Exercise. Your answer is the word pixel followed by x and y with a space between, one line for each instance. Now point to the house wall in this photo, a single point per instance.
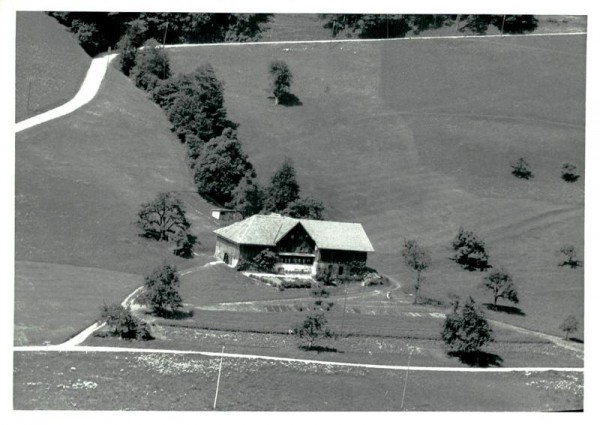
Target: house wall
pixel 296 240
pixel 225 247
pixel 336 261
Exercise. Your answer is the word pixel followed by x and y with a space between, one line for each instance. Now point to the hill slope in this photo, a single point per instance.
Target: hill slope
pixel 415 138
pixel 80 180
pixel 50 64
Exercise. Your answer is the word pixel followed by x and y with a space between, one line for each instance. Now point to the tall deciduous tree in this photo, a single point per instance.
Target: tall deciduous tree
pixel 163 218
pixel 129 44
pixel 468 330
pixel 281 79
pixel 220 167
pixel 161 290
pixel 151 65
pixel 418 259
pixel 248 197
pixel 569 325
pixel 501 284
pixel 284 188
pixel 305 207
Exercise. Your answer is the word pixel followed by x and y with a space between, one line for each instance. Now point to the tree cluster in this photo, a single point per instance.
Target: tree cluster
pixel 97 31
pixel 466 330
pixel 398 26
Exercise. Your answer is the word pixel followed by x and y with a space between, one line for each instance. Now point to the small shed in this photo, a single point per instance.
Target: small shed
pixel 226 215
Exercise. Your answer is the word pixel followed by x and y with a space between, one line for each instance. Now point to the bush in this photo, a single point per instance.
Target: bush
pixel 314 327
pixel 569 173
pixel 265 261
pixel 123 324
pixel 161 291
pixel 467 331
pixel 521 169
pixel 470 250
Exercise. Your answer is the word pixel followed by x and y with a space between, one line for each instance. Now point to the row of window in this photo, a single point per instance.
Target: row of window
pixel 296 260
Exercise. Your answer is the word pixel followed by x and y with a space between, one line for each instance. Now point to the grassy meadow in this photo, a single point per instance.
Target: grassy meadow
pixel 415 138
pixel 131 381
pixel 49 58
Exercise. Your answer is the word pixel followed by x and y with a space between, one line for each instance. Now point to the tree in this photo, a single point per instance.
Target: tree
pixel 221 166
pixel 418 259
pixel 151 65
pixel 314 327
pixel 122 323
pixel 129 43
pixel 248 197
pixel 569 325
pixel 502 286
pixel 467 331
pixel 470 250
pixel 281 79
pixel 569 173
pixel 194 103
pixel 521 169
pixel 284 188
pixel 265 261
pixel 306 207
pixel 161 290
pixel 163 218
pixel 569 257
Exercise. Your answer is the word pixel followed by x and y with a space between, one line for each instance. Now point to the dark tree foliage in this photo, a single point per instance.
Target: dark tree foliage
pixel 97 31
pixel 569 325
pixel 122 323
pixel 520 169
pixel 163 218
pixel 468 330
pixel 314 327
pixel 569 173
pixel 569 257
pixel 221 166
pixel 130 42
pixel 398 26
pixel 418 259
pixel 469 250
pixel 265 261
pixel 151 65
pixel 284 188
pixel 161 290
pixel 281 79
pixel 305 207
pixel 248 197
pixel 501 284
pixel 194 103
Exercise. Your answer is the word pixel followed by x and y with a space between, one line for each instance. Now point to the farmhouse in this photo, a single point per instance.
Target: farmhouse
pixel 302 246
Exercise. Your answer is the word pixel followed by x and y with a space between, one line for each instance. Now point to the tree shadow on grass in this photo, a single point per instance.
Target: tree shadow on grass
pixel 505 309
pixel 178 315
pixel 576 340
pixel 478 358
pixel 288 99
pixel 320 349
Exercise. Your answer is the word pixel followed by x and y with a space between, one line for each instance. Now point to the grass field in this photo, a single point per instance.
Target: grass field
pixel 415 150
pixel 54 302
pixel 104 381
pixel 49 58
pixel 80 181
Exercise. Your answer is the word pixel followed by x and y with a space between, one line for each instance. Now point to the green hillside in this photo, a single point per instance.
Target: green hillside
pixel 80 181
pixel 415 138
pixel 50 64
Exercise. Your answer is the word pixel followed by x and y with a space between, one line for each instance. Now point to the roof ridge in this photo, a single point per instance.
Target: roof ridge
pixel 247 227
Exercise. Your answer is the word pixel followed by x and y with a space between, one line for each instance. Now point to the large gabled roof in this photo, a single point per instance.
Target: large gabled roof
pixel 267 230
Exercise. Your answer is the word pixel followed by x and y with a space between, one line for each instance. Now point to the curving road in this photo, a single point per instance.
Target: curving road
pixel 87 91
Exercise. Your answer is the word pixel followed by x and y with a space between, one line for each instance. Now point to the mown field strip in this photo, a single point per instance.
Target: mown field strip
pixel 98 349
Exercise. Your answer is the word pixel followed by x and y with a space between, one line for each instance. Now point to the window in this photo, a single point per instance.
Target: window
pixel 341 270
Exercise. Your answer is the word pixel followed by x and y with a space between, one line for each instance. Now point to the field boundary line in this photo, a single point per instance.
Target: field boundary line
pixel 101 349
pixel 357 40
